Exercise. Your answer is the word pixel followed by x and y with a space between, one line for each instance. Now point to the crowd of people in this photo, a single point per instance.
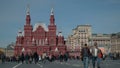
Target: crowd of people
pixel 28 58
pixel 114 55
pixel 35 58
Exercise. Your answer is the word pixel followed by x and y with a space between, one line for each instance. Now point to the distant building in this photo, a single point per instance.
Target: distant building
pixel 115 42
pixel 2 50
pixel 9 51
pixel 103 41
pixel 39 38
pixel 81 35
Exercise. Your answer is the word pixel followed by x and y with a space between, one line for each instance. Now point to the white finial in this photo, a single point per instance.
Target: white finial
pixel 52 11
pixel 28 9
pixel 20 32
pixel 60 33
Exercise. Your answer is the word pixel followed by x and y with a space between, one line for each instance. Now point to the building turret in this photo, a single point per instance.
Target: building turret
pixel 19 40
pixel 52 30
pixel 28 29
pixel 52 19
pixel 28 19
pixel 60 39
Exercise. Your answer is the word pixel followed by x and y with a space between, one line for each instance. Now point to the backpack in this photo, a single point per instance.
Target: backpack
pixel 100 55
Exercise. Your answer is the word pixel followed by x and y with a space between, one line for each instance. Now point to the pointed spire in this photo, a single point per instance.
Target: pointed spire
pixel 52 20
pixel 28 15
pixel 52 11
pixel 28 9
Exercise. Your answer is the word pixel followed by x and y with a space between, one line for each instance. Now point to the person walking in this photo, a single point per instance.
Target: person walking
pixel 61 57
pixel 100 56
pixel 44 57
pixel 3 58
pixel 85 53
pixel 96 56
pixel 22 58
pixel 27 57
pixel 66 56
pixel 36 57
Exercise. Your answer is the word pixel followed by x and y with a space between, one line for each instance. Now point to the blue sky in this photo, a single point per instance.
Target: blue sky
pixel 103 15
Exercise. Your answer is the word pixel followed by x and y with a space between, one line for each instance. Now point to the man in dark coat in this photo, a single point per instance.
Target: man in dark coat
pixel 85 55
pixel 36 57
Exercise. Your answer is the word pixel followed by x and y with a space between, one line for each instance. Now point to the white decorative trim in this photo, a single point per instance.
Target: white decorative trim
pixel 40 24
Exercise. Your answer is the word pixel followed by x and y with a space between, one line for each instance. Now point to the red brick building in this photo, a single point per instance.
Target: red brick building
pixel 40 38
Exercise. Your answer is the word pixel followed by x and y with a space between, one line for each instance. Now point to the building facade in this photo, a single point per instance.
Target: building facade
pixel 9 51
pixel 115 42
pixel 103 41
pixel 81 35
pixel 39 38
pixel 2 51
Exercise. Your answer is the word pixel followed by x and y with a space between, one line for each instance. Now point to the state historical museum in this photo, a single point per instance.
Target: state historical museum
pixel 39 38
